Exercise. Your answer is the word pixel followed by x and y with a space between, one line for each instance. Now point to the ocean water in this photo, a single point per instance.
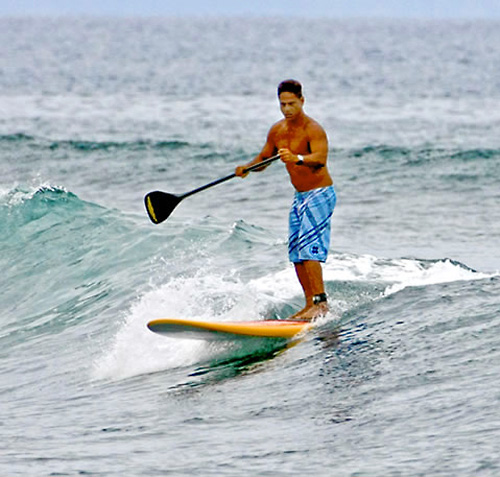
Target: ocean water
pixel 400 379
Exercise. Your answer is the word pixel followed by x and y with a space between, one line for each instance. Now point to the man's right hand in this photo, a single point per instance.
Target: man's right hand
pixel 240 171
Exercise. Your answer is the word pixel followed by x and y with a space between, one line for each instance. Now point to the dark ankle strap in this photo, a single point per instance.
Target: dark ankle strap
pixel 317 299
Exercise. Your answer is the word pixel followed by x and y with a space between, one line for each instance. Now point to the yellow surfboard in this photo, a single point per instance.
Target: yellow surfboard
pixel 227 330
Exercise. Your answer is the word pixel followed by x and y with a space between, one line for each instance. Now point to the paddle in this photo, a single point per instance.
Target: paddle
pixel 159 205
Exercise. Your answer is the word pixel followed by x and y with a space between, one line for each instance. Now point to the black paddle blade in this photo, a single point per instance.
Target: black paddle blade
pixel 159 205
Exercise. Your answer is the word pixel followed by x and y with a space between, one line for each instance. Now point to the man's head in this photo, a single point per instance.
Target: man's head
pixel 290 86
pixel 291 99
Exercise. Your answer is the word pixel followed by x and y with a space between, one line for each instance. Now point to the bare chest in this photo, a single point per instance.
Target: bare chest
pixel 295 139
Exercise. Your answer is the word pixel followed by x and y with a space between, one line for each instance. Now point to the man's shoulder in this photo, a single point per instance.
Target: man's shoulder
pixel 277 127
pixel 311 122
pixel 279 124
pixel 312 126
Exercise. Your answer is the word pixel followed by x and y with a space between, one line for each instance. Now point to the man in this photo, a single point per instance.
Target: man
pixel 302 145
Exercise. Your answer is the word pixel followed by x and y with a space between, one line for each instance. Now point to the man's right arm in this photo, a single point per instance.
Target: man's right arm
pixel 268 150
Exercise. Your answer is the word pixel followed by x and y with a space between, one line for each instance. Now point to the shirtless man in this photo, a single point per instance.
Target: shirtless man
pixel 302 145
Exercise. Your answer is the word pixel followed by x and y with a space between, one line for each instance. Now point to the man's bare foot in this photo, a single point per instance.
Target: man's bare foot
pixel 295 316
pixel 310 313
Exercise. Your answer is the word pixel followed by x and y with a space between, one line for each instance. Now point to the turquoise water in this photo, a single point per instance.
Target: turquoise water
pixel 399 379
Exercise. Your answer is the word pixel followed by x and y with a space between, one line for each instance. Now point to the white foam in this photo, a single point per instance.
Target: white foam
pixel 206 296
pixel 397 274
pixel 4 192
pixel 16 194
pixel 413 274
pixel 136 350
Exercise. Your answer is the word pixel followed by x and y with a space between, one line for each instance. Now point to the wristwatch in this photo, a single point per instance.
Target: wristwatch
pixel 300 162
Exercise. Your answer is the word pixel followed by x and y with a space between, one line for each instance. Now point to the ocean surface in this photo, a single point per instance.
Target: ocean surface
pixel 400 379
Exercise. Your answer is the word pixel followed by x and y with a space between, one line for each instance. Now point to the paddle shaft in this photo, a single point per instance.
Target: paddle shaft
pixel 159 205
pixel 264 163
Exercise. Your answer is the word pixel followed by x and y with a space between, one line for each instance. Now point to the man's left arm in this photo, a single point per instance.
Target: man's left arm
pixel 318 145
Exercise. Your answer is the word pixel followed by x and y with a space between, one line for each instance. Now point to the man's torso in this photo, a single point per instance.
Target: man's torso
pixel 297 140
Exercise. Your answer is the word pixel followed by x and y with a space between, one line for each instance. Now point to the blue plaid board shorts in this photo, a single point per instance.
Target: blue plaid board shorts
pixel 309 224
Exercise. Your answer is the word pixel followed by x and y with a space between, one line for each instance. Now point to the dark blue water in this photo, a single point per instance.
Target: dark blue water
pixel 399 379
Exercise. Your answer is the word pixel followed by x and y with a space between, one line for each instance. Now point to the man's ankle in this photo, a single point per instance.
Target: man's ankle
pixel 320 298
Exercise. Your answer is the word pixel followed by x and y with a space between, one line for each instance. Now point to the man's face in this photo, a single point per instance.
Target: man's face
pixel 290 105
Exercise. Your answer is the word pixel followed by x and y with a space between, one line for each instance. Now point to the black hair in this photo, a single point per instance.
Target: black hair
pixel 290 86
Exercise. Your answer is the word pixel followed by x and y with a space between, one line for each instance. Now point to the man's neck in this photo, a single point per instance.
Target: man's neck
pixel 296 121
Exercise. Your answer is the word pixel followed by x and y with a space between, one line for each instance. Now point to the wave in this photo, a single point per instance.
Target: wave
pixel 17 137
pixel 351 280
pixel 373 277
pixel 414 155
pixel 87 145
pixel 140 145
pixel 22 205
pixel 71 263
pixel 64 260
pixel 441 167
pixel 422 155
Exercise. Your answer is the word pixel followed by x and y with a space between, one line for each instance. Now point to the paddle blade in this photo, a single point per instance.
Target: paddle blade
pixel 159 205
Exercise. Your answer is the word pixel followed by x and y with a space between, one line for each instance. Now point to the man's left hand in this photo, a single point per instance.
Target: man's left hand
pixel 287 156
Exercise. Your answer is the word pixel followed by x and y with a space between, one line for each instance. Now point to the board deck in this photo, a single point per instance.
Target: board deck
pixel 227 330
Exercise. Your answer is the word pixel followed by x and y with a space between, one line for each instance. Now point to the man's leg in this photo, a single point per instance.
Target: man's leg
pixel 310 275
pixel 315 277
pixel 303 276
pixel 309 239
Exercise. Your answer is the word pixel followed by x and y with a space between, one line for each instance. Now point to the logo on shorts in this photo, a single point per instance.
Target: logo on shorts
pixel 314 250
